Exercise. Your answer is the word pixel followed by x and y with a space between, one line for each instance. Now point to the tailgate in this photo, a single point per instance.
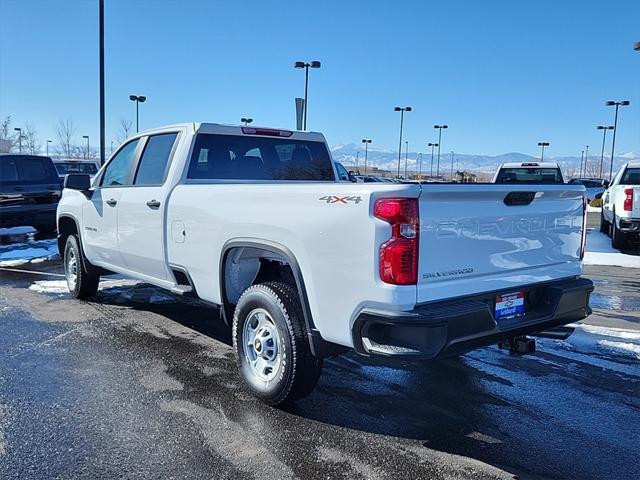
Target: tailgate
pixel 481 238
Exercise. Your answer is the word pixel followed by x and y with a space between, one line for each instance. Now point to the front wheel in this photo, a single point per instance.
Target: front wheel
pixel 80 283
pixel 272 351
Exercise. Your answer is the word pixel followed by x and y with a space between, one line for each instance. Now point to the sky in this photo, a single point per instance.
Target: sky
pixel 502 74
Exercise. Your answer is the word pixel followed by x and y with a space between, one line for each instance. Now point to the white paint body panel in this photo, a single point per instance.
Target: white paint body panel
pixel 336 245
pixel 613 198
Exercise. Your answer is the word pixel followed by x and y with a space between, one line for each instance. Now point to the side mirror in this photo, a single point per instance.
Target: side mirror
pixel 606 184
pixel 352 177
pixel 77 181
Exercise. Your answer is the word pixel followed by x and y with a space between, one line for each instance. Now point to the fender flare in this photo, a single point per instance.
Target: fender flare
pixel 319 346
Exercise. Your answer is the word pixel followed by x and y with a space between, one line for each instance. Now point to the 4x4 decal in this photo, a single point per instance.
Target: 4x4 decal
pixel 337 199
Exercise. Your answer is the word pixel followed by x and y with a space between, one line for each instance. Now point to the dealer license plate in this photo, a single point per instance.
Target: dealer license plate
pixel 509 305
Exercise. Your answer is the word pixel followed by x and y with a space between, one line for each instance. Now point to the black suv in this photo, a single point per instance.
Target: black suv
pixel 29 192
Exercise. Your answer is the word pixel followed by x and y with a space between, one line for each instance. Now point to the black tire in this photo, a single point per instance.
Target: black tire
pixel 298 371
pixel 604 225
pixel 618 239
pixel 85 285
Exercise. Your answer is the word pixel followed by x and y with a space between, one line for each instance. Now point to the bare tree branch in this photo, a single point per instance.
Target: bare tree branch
pixel 66 130
pixel 32 142
pixel 7 138
pixel 124 131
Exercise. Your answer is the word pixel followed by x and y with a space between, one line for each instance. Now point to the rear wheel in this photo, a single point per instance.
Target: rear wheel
pixel 604 225
pixel 618 239
pixel 271 345
pixel 80 283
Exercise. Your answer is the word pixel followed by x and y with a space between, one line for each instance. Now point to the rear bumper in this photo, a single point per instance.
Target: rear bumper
pixel 28 215
pixel 453 327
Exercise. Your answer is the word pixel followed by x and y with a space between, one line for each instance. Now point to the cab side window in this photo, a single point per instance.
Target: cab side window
pixel 118 172
pixel 155 158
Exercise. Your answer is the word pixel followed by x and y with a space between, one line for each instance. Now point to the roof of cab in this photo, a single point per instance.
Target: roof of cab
pixel 227 129
pixel 532 164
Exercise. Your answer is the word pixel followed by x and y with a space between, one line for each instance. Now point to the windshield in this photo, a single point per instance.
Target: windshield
pixel 631 177
pixel 76 167
pixel 529 175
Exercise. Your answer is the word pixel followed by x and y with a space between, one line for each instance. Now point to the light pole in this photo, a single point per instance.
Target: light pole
pixel 357 158
pixel 433 146
pixel 138 99
pixel 406 158
pixel 305 65
pixel 581 160
pixel 604 136
pixel 439 127
pixel 366 142
pixel 586 159
pixel 542 144
pixel 452 165
pixel 420 166
pixel 611 103
pixel 86 157
pixel 401 110
pixel 246 121
pixel 19 130
pixel 48 142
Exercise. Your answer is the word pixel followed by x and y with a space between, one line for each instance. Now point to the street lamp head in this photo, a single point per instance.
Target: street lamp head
pixel 141 98
pixel 397 109
pixel 299 65
pixel 407 109
pixel 601 127
pixel 18 129
pixel 85 136
pixel 636 46
pixel 314 64
pixel 624 103
pixel 133 98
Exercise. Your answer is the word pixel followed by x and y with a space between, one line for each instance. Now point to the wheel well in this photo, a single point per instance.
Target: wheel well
pixel 66 226
pixel 246 263
pixel 246 266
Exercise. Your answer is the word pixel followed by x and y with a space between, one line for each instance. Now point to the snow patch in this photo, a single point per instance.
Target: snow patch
pixel 60 286
pixel 17 230
pixel 23 253
pixel 600 252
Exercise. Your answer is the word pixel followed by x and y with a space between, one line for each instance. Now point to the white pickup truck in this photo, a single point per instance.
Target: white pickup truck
pixel 620 215
pixel 305 266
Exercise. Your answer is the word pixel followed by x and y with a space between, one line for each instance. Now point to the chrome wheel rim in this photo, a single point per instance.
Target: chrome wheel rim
pixel 71 269
pixel 262 345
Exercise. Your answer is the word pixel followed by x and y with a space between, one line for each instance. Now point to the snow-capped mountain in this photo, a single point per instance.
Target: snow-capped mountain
pixel 385 159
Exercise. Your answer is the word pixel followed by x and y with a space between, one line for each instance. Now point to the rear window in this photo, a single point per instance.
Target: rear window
pixel 76 167
pixel 529 175
pixel 231 157
pixel 631 177
pixel 26 169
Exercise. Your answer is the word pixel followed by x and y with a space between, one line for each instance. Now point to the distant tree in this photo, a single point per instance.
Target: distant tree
pixel 124 130
pixel 7 137
pixel 31 141
pixel 66 130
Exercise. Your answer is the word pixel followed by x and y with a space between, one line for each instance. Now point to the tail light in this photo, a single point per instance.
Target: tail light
pixel 627 206
pixel 399 254
pixel 583 232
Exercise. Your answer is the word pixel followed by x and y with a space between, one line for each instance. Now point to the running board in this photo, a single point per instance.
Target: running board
pixel 558 333
pixel 182 289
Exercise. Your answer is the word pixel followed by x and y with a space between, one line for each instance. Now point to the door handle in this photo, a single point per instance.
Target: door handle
pixel 153 204
pixel 112 202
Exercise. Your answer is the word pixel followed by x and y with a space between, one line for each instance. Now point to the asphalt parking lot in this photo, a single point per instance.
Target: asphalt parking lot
pixel 142 384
